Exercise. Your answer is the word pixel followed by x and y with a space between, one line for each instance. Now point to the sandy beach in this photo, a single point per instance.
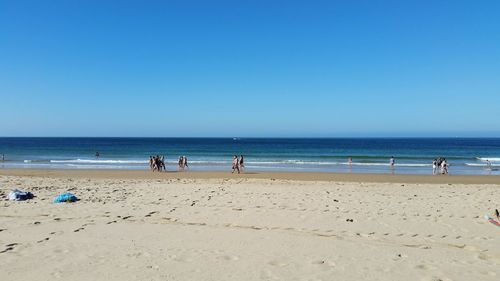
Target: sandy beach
pixel 138 225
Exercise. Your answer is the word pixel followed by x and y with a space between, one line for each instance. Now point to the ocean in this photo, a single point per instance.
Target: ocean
pixel 369 155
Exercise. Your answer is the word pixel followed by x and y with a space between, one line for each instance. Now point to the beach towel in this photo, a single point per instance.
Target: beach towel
pixel 65 197
pixel 19 195
pixel 492 220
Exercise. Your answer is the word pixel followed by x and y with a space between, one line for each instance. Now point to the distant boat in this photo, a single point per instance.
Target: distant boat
pixel 236 139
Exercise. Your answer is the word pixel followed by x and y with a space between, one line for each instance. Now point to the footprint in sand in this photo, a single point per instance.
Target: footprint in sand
pixel 43 240
pixel 151 213
pixel 78 229
pixel 8 247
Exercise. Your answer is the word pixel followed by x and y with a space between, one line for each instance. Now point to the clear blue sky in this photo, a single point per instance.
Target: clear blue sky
pixel 250 68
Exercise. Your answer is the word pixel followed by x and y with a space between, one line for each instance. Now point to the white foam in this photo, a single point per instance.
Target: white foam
pixel 481 165
pixel 96 161
pixel 491 159
pixel 77 166
pixel 300 162
pixel 396 165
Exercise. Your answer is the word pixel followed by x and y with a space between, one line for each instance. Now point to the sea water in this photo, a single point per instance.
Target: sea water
pixel 369 155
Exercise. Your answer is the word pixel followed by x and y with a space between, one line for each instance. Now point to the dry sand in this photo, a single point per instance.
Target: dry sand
pixel 279 226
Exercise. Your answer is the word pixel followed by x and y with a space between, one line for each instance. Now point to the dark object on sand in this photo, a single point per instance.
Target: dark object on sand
pixel 19 195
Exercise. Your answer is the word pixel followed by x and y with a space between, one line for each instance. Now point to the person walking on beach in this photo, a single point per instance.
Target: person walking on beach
pixel 488 164
pixel 236 166
pixel 3 157
pixel 434 166
pixel 349 161
pixel 241 162
pixel 162 163
pixel 180 163
pixel 151 162
pixel 184 162
pixel 444 167
pixel 392 161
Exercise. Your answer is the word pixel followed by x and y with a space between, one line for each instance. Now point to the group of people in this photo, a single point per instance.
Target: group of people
pixel 441 164
pixel 183 163
pixel 238 164
pixel 157 163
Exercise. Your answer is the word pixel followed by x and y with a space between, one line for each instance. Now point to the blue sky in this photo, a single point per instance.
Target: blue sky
pixel 250 68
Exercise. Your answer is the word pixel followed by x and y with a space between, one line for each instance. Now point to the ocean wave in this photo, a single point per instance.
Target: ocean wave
pixel 396 165
pixel 96 166
pixel 481 165
pixel 287 162
pixel 301 162
pixel 202 162
pixel 491 159
pixel 96 161
pixel 34 161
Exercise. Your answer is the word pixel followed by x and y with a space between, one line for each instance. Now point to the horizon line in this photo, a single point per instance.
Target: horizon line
pixel 270 137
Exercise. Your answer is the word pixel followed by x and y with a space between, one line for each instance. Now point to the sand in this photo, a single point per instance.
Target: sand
pixel 275 226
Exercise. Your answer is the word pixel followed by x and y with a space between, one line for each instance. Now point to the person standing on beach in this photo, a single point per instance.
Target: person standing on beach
pixel 444 167
pixel 3 157
pixel 184 162
pixel 236 166
pixel 392 161
pixel 162 162
pixel 349 161
pixel 434 166
pixel 241 162
pixel 97 154
pixel 180 162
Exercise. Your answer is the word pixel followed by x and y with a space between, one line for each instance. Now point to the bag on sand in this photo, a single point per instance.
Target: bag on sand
pixel 19 195
pixel 65 197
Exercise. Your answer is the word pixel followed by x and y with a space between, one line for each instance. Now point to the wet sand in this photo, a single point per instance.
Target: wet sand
pixel 302 176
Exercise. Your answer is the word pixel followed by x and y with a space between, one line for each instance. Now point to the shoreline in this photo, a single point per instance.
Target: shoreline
pixel 294 176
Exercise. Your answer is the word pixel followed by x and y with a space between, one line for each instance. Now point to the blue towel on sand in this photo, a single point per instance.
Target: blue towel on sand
pixel 65 197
